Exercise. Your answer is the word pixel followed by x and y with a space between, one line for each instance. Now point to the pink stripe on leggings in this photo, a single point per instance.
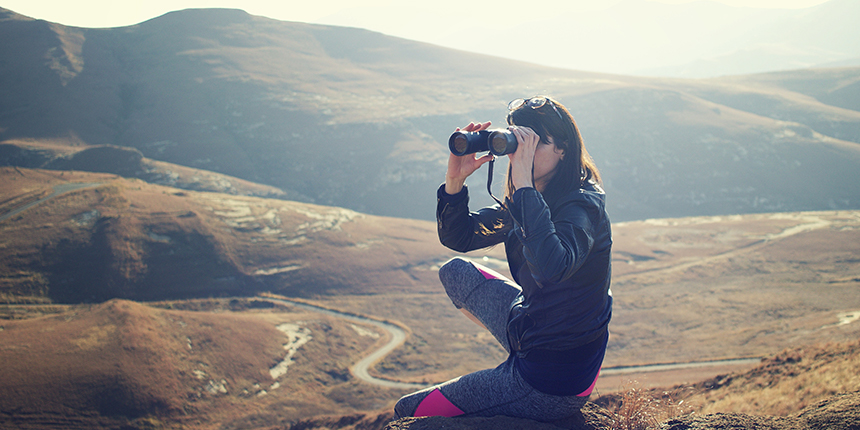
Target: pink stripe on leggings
pixel 487 272
pixel 588 391
pixel 436 405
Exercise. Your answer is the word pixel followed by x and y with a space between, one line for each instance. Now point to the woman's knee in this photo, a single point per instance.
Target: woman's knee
pixel 457 276
pixel 403 409
pixel 453 269
pixel 408 404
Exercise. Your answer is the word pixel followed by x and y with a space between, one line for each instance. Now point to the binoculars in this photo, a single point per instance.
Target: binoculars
pixel 498 142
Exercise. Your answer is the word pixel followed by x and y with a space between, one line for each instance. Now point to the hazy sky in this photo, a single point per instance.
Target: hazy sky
pixel 589 34
pixel 113 13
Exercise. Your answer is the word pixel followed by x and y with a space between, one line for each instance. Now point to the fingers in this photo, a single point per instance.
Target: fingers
pixel 525 135
pixel 485 158
pixel 476 127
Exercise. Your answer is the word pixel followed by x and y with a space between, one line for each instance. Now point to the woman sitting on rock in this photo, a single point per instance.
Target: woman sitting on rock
pixel 553 318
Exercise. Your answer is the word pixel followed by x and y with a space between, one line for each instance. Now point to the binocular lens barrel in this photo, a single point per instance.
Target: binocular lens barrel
pixel 503 142
pixel 459 144
pixel 498 142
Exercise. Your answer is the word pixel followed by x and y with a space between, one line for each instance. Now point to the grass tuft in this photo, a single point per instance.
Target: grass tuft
pixel 634 408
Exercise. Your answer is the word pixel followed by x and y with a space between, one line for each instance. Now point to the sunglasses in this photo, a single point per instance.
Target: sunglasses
pixel 534 103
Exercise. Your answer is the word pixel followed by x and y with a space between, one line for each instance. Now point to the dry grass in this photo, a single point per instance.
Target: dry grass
pixel 123 362
pixel 686 289
pixel 786 382
pixel 634 408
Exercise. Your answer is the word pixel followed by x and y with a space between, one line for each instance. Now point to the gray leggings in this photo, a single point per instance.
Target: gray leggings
pixel 499 391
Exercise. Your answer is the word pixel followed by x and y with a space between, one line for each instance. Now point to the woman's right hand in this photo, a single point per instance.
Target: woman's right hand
pixel 461 166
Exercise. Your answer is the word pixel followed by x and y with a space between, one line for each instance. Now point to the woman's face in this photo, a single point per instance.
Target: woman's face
pixel 547 157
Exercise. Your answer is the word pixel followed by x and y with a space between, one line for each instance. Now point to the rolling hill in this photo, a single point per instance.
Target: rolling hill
pixel 771 279
pixel 199 159
pixel 350 118
pixel 121 364
pixel 686 290
pixel 129 239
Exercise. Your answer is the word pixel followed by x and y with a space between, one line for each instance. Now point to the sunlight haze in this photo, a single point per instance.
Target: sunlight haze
pixel 104 13
pixel 616 36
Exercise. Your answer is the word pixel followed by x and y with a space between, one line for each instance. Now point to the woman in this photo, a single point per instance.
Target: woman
pixel 553 320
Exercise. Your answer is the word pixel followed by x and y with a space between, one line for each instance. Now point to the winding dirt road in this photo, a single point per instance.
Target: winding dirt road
pixel 398 337
pixel 359 369
pixel 57 190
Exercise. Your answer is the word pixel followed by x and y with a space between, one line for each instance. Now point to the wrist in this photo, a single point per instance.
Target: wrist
pixel 453 188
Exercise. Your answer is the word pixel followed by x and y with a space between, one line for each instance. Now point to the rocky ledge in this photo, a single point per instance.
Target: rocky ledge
pixel 840 412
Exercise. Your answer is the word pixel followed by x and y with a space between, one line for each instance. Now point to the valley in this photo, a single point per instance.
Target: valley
pixel 687 290
pixel 215 220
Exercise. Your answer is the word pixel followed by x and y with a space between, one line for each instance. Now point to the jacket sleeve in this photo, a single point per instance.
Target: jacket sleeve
pixel 464 231
pixel 555 245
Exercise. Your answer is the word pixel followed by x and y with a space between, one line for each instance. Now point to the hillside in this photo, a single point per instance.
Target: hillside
pixel 126 162
pixel 125 238
pixel 121 364
pixel 767 280
pixel 686 290
pixel 351 118
pixel 785 383
pixel 207 364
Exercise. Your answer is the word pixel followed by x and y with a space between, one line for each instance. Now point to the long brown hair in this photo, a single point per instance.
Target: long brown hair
pixel 577 167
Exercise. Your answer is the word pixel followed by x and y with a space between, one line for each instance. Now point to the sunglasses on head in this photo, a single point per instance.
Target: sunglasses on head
pixel 534 103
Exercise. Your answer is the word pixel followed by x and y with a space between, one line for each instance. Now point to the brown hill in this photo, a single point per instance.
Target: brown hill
pixel 351 118
pixel 121 364
pixel 129 239
pixel 121 361
pixel 126 162
pixel 205 364
pixel 685 290
pixel 785 383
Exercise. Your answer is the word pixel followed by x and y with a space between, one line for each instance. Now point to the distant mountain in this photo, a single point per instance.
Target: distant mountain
pixel 747 40
pixel 352 118
pixel 694 39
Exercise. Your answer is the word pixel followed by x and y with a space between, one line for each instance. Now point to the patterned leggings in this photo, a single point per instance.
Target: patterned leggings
pixel 499 391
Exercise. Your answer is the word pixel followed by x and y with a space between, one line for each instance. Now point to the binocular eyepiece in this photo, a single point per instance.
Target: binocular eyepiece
pixel 498 142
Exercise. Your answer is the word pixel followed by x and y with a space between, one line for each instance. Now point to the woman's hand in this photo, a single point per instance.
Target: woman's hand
pixel 460 167
pixel 522 161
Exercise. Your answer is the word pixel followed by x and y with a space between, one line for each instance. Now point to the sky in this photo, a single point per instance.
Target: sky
pixel 626 43
pixel 112 13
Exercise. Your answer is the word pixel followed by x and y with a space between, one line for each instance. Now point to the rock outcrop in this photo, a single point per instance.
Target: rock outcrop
pixel 841 412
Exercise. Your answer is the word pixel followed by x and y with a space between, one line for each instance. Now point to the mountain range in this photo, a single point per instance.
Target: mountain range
pixel 154 178
pixel 695 39
pixel 351 118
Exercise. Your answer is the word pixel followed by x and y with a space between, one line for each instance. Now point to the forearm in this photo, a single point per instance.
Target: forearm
pixel 462 230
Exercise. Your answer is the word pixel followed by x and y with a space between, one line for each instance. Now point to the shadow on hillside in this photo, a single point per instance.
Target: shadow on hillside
pixel 118 261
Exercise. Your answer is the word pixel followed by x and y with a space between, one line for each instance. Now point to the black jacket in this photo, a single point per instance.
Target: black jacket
pixel 559 254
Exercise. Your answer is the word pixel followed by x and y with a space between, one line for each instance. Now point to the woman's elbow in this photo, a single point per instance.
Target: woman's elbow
pixel 555 273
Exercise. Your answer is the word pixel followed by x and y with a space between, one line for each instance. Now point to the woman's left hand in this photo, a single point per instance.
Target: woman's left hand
pixel 522 161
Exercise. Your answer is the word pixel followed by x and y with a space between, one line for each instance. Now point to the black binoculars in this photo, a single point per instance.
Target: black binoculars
pixel 498 142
